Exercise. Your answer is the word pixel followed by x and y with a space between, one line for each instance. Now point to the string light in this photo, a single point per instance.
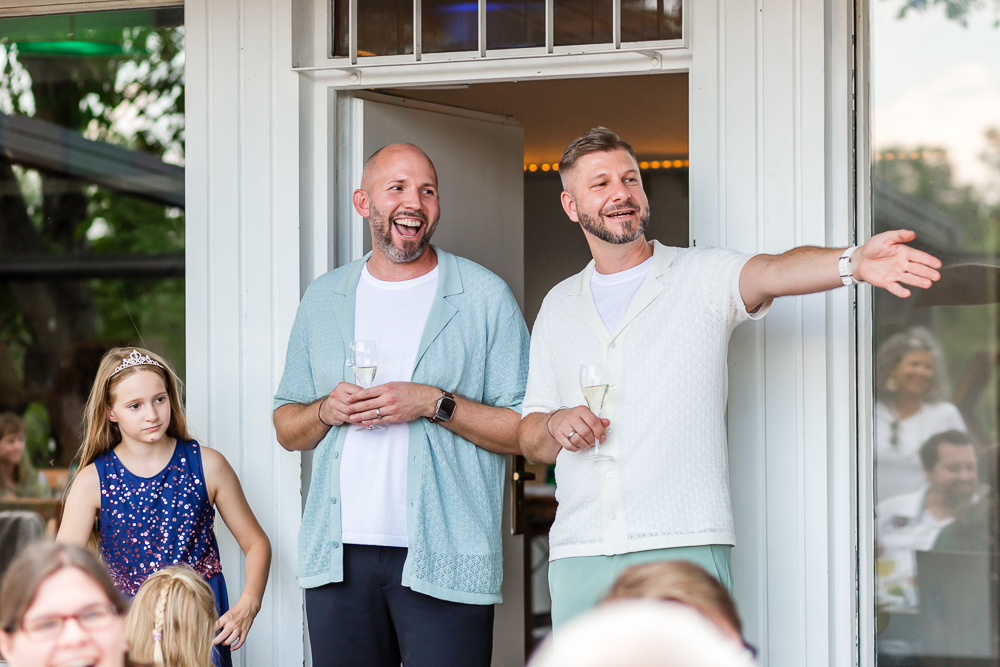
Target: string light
pixel 914 155
pixel 644 165
pixel 546 167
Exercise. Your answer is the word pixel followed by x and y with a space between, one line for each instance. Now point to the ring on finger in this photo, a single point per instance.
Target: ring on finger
pixel 569 436
pixel 378 413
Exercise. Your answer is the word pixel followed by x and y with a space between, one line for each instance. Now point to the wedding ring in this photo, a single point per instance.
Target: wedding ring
pixel 378 413
pixel 569 436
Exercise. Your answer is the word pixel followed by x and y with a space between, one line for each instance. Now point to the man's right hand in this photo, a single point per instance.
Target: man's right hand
pixel 333 411
pixel 578 428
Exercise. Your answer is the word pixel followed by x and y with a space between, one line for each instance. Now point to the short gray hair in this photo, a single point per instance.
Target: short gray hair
pixel 892 351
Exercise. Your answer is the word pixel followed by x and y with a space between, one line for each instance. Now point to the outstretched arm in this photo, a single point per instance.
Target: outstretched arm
pixel 884 261
pixel 225 490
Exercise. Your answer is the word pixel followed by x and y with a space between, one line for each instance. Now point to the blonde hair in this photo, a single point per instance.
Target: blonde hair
pixel 101 435
pixel 172 619
pixel 678 581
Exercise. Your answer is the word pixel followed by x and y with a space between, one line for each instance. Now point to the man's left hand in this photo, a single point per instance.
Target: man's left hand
pixel 394 401
pixel 885 262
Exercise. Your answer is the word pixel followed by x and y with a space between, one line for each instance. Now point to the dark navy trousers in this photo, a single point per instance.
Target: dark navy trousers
pixel 371 620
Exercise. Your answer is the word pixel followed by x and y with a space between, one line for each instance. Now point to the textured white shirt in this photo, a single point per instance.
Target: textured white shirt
pixel 668 484
pixel 898 469
pixel 373 471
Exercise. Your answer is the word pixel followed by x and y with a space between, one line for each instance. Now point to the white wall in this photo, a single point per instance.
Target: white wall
pixel 770 169
pixel 243 280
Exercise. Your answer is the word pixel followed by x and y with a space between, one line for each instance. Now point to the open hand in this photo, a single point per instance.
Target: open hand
pixel 391 403
pixel 578 428
pixel 884 261
pixel 233 626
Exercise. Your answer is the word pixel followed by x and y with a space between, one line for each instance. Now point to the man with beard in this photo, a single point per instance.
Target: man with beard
pixel 400 546
pixel 912 521
pixel 659 320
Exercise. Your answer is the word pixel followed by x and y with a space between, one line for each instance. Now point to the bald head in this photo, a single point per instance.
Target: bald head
pixel 384 158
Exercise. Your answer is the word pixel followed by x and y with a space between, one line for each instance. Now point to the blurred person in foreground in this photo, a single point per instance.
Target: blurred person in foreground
pixel 911 406
pixel 640 633
pixel 172 619
pixel 687 583
pixel 18 478
pixel 59 607
pixel 912 521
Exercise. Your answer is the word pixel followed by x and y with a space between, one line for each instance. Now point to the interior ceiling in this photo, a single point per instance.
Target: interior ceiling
pixel 648 111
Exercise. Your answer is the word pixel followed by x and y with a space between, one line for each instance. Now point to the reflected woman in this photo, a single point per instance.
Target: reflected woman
pixel 911 407
pixel 18 478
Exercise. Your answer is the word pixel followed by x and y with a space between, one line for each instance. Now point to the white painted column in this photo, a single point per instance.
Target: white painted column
pixel 770 170
pixel 243 280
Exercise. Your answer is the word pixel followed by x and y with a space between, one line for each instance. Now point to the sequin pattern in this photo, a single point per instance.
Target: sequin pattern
pixel 148 523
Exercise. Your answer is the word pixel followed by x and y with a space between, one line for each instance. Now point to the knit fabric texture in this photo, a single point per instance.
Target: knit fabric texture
pixel 475 344
pixel 668 483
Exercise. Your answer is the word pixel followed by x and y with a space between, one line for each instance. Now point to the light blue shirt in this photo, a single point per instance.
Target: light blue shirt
pixel 475 344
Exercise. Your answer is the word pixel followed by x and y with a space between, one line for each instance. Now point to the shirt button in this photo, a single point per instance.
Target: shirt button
pixel 613 345
pixel 336 545
pixel 613 516
pixel 336 455
pixel 611 473
pixel 333 500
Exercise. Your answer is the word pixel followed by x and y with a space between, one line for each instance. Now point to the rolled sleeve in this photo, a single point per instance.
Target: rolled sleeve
pixel 507 358
pixel 542 393
pixel 297 385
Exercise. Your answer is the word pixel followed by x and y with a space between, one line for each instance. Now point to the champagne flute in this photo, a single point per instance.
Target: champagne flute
pixel 364 362
pixel 594 380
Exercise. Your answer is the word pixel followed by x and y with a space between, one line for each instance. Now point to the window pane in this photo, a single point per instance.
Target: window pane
pixel 582 22
pixel 385 27
pixel 511 25
pixel 936 170
pixel 648 20
pixel 91 217
pixel 450 25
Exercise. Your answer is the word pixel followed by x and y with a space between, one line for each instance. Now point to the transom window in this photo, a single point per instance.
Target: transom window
pixel 414 30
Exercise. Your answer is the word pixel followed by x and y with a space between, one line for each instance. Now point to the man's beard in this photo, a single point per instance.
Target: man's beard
pixel 629 233
pixel 382 235
pixel 959 494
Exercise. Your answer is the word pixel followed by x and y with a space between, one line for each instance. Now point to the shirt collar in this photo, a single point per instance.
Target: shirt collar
pixel 663 257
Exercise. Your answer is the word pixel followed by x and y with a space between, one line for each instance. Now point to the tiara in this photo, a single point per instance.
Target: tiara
pixel 136 359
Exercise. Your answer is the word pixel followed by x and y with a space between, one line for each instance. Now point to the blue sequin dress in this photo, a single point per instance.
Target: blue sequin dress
pixel 149 523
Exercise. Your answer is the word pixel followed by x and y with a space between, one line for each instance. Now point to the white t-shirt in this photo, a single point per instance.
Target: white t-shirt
pixel 898 469
pixel 373 471
pixel 614 292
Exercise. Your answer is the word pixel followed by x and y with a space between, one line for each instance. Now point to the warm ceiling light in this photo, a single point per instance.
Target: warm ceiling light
pixel 687 163
pixel 555 166
pixel 890 156
pixel 546 167
pixel 643 165
pixel 532 167
pixel 678 163
pixel 914 156
pixel 655 164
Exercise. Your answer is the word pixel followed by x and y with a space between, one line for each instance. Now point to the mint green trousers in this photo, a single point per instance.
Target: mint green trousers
pixel 577 584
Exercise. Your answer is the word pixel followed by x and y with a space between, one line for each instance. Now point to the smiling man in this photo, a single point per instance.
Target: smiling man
pixel 659 319
pixel 400 547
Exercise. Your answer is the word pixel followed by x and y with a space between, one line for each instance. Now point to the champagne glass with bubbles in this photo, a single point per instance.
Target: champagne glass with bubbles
pixel 594 381
pixel 364 362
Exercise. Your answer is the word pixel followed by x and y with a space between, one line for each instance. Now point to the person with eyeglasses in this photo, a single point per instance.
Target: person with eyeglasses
pixel 58 607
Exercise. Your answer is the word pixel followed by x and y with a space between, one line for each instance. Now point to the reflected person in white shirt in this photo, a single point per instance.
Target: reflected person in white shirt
pixel 911 522
pixel 660 319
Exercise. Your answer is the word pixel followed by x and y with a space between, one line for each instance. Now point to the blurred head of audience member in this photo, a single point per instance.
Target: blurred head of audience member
pixel 685 582
pixel 59 607
pixel 640 633
pixel 949 461
pixel 172 619
pixel 909 369
pixel 17 476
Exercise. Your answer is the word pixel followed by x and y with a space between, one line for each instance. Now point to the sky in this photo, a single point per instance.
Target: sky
pixel 936 83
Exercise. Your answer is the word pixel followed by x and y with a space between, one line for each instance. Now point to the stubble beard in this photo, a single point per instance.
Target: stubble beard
pixel 629 233
pixel 382 236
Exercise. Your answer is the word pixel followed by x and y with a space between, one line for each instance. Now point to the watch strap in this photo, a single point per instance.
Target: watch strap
pixel 844 267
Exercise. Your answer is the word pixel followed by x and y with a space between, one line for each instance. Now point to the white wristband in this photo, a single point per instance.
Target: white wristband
pixel 844 265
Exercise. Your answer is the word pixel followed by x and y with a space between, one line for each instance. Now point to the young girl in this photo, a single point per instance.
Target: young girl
pixel 171 619
pixel 154 491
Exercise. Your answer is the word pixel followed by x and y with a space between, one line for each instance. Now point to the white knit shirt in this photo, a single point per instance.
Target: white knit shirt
pixel 668 485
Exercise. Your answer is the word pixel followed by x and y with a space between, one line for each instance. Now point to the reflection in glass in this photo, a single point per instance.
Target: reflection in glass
pixel 385 27
pixel 648 20
pixel 582 22
pixel 515 24
pixel 450 25
pixel 91 213
pixel 936 170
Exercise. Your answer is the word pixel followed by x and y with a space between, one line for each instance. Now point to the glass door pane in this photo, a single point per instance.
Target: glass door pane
pixel 385 27
pixel 649 20
pixel 515 24
pixel 450 25
pixel 582 22
pixel 935 90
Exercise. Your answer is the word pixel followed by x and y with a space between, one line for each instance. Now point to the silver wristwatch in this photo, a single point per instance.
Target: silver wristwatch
pixel 844 265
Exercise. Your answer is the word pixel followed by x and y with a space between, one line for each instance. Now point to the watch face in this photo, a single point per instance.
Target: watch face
pixel 446 408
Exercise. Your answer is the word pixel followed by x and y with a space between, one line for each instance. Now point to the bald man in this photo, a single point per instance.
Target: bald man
pixel 400 545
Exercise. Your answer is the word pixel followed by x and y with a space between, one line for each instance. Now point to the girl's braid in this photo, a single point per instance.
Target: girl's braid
pixel 161 605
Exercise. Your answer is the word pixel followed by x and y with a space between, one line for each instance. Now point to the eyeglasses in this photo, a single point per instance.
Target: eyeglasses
pixel 47 628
